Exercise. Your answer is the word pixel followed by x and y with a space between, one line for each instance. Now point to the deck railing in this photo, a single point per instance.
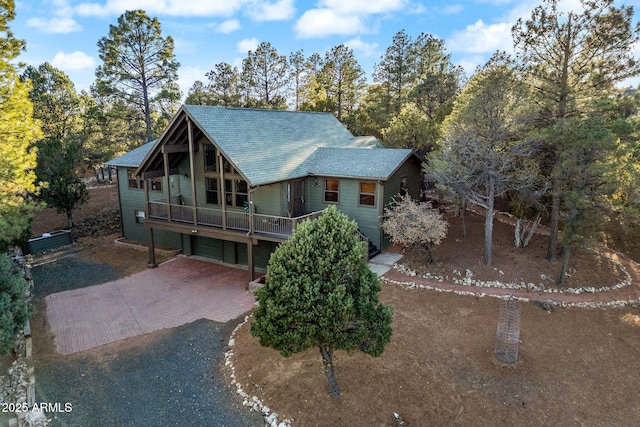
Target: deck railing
pixel 231 219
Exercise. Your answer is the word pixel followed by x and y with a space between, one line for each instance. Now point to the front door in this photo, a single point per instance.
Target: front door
pixel 296 198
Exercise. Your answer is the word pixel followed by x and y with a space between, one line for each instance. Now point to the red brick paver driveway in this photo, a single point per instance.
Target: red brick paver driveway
pixel 179 291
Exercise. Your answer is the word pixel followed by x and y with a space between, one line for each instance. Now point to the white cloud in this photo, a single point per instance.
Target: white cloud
pixel 187 76
pixel 246 45
pixel 364 49
pixel 73 61
pixel 228 26
pixel 162 7
pixel 482 38
pixel 325 22
pixel 363 7
pixel 279 10
pixel 54 25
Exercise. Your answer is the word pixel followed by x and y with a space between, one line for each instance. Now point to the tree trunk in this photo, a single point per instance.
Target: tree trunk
pixel 532 230
pixel 518 238
pixel 464 221
pixel 69 220
pixel 566 250
pixel 327 361
pixel 488 223
pixel 552 243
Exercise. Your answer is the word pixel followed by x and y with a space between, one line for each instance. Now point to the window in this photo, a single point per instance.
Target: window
pixel 212 191
pixel 139 216
pixel 134 182
pixel 236 192
pixel 227 167
pixel 156 184
pixel 242 195
pixel 331 191
pixel 209 158
pixel 368 193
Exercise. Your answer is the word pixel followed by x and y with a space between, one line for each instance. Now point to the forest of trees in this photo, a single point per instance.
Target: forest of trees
pixel 547 128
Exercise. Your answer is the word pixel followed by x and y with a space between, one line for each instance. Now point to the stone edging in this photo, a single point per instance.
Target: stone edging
pixel 253 402
pixel 608 304
pixel 531 287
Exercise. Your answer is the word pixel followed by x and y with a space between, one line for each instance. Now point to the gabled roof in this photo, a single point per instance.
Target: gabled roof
pixel 133 158
pixel 269 145
pixel 377 164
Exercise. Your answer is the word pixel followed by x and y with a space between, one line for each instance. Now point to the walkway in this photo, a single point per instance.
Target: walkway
pixel 179 291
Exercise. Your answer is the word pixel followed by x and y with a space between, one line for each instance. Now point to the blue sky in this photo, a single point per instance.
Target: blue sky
pixel 65 33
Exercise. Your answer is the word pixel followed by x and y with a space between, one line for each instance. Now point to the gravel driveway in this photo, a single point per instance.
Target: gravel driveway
pixel 166 378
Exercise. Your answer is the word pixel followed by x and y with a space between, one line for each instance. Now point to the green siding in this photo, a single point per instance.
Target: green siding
pixel 411 169
pixel 132 199
pixel 348 203
pixel 268 199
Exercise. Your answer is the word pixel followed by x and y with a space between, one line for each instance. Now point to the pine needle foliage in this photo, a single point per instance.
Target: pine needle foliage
pixel 320 292
pixel 14 307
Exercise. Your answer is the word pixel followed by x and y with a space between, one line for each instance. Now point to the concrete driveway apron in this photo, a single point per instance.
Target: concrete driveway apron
pixel 177 292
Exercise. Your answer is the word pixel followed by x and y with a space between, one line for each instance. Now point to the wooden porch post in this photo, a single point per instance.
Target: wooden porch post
pixel 165 158
pixel 250 264
pixel 152 250
pixel 191 173
pixel 223 193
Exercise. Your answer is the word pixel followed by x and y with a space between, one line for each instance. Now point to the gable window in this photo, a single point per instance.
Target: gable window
pixel 368 193
pixel 134 182
pixel 227 167
pixel 212 191
pixel 331 191
pixel 156 184
pixel 209 158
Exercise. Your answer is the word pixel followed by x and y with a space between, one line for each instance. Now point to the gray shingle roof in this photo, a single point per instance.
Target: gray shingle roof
pixel 377 163
pixel 270 145
pixel 133 158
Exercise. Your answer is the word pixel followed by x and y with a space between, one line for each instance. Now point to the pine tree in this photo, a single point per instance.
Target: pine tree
pixel 139 67
pixel 18 131
pixel 14 308
pixel 320 292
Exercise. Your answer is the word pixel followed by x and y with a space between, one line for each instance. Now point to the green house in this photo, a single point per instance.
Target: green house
pixel 232 183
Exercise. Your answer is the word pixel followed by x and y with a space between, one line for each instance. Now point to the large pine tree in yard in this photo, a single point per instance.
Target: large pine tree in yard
pixel 18 132
pixel 319 292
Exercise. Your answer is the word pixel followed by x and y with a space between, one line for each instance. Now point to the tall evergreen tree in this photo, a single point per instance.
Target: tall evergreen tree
pixel 225 86
pixel 396 72
pixel 570 58
pixel 60 153
pixel 484 153
pixel 139 67
pixel 18 133
pixel 298 75
pixel 320 292
pixel 266 74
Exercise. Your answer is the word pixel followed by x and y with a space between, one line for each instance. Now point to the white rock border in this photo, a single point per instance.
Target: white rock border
pixel 253 402
pixel 608 304
pixel 531 287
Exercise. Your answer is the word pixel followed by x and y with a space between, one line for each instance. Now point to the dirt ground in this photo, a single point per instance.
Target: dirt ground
pixel 576 366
